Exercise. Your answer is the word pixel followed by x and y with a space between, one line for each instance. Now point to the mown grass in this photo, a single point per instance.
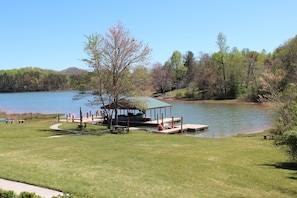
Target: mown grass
pixel 141 164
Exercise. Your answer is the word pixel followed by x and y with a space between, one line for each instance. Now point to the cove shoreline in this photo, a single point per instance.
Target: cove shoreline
pixel 230 101
pixel 268 105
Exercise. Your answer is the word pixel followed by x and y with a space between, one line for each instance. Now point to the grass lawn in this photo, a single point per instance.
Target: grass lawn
pixel 141 164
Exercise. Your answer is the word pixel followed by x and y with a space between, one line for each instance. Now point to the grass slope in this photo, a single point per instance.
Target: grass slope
pixel 142 164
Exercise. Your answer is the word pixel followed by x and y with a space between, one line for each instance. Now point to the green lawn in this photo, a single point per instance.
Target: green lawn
pixel 141 164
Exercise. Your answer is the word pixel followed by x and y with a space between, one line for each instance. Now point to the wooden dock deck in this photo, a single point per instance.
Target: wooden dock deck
pixel 183 128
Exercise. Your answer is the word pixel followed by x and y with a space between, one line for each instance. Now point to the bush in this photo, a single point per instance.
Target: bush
pixel 7 194
pixel 11 194
pixel 28 195
pixel 289 142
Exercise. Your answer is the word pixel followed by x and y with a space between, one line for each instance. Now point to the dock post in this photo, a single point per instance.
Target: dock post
pixel 162 119
pixel 157 120
pixel 172 122
pixel 181 125
pixel 80 117
pixel 128 124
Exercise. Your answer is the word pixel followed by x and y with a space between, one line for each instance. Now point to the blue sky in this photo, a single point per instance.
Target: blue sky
pixel 50 33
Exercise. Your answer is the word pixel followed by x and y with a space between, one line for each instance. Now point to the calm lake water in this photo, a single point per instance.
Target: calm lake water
pixel 223 119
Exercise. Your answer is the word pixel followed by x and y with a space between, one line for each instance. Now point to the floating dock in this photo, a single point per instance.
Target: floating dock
pixel 182 128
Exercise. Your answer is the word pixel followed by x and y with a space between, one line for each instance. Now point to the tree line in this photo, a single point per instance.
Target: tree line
pixel 226 74
pixel 229 73
pixel 35 79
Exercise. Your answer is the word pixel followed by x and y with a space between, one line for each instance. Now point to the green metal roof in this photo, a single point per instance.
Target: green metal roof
pixel 148 102
pixel 140 103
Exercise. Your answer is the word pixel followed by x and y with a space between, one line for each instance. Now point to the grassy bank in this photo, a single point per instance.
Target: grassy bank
pixel 141 164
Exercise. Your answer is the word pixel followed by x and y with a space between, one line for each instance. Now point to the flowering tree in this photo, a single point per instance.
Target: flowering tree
pixel 111 57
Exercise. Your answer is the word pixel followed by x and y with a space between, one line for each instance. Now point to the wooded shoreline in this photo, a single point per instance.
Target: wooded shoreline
pixel 232 101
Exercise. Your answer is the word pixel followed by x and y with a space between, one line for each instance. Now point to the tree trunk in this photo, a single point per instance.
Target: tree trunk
pixel 224 78
pixel 116 110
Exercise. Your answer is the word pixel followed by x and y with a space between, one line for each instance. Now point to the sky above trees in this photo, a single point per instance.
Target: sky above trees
pixel 50 34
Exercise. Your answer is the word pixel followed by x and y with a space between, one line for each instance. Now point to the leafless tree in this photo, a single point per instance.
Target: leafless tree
pixel 111 57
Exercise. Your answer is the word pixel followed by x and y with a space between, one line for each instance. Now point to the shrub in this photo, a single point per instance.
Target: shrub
pixel 11 194
pixel 289 142
pixel 28 195
pixel 7 194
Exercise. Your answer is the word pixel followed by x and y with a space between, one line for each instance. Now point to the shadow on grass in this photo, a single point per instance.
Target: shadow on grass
pixel 285 165
pixel 56 132
pixel 76 132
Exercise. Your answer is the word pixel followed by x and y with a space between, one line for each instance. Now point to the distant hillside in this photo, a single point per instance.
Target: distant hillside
pixel 73 71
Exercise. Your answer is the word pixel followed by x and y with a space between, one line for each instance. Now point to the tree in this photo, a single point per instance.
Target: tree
pixel 206 77
pixel 278 84
pixel 161 78
pixel 287 54
pixel 237 73
pixel 178 68
pixel 221 58
pixel 286 120
pixel 189 63
pixel 111 57
pixel 141 81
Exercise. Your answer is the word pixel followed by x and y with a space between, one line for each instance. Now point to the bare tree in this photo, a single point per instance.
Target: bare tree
pixel 161 78
pixel 111 57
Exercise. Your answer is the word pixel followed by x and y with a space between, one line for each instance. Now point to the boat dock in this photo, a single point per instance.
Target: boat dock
pixel 182 128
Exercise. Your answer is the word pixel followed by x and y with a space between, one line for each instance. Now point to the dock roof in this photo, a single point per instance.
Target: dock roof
pixel 140 103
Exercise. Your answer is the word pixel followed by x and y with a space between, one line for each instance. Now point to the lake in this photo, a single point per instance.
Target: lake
pixel 223 119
